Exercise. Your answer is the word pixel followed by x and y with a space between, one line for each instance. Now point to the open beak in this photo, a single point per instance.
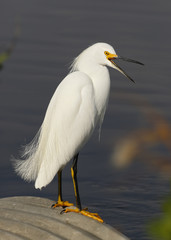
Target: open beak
pixel 113 57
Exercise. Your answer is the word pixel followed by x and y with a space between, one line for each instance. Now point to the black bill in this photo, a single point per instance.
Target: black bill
pixel 120 69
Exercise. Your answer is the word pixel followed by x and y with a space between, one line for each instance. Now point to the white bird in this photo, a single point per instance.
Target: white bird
pixel 76 108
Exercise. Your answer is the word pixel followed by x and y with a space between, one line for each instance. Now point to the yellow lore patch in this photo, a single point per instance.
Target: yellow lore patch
pixel 110 55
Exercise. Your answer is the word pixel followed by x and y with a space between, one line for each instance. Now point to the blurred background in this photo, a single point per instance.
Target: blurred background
pixel 125 176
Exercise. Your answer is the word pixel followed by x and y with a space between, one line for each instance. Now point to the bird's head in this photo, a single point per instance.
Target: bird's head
pixel 106 55
pixel 101 54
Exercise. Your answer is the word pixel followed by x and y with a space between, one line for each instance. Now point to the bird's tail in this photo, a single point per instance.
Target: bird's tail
pixel 28 167
pixel 42 158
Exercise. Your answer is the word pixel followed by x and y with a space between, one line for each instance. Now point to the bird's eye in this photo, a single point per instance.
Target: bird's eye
pixel 106 53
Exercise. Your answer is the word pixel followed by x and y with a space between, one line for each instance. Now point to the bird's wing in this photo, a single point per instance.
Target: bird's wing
pixel 69 122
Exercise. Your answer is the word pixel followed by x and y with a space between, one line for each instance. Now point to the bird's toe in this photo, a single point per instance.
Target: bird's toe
pixel 62 204
pixel 84 212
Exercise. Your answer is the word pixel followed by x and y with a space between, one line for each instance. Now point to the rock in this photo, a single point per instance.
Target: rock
pixel 32 218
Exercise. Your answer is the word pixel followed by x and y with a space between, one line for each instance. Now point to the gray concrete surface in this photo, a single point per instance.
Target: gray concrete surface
pixel 32 218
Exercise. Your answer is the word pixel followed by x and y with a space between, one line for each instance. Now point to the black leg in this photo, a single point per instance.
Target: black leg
pixel 77 196
pixel 60 202
pixel 75 183
pixel 59 185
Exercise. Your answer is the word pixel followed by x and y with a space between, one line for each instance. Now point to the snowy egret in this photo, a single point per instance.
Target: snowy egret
pixel 76 108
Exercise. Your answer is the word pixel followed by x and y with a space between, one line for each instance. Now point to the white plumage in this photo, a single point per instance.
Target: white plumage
pixel 77 106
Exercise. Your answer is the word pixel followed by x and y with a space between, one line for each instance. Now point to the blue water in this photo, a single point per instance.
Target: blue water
pixel 52 34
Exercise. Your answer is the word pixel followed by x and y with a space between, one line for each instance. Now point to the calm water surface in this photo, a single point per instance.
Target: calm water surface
pixel 52 34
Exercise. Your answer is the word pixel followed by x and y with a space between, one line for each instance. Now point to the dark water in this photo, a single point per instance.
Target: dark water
pixel 52 34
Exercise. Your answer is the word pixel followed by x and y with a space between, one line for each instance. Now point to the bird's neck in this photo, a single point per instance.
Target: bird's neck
pixel 99 75
pixel 101 82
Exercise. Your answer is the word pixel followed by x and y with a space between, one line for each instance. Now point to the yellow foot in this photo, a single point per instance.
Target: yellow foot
pixel 62 204
pixel 84 212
